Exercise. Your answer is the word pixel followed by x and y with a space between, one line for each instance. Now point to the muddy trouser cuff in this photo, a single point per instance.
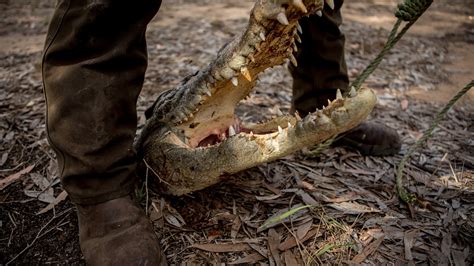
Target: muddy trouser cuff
pixel 321 62
pixel 94 64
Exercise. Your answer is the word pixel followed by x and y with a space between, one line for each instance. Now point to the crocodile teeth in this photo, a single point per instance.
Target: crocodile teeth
pixel 319 13
pixel 231 131
pixel 280 130
pixel 208 93
pixel 293 60
pixel 298 28
pixel 330 3
pixel 278 112
pixel 281 17
pixel 289 125
pixel 300 5
pixel 339 94
pixel 197 99
pixel 353 92
pixel 295 47
pixel 298 38
pixel 297 115
pixel 235 81
pixel 262 36
pixel 245 72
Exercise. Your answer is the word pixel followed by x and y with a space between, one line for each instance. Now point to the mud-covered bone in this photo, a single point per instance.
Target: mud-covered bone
pixel 205 102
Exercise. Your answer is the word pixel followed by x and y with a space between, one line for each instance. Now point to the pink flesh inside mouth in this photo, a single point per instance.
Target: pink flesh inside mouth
pixel 217 135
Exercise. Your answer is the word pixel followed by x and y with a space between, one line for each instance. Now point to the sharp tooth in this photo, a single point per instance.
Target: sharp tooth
pixel 298 27
pixel 196 100
pixel 330 3
pixel 353 92
pixel 281 17
pixel 300 5
pixel 298 38
pixel 339 94
pixel 262 36
pixel 295 47
pixel 293 60
pixel 329 102
pixel 297 115
pixel 280 130
pixel 278 112
pixel 324 107
pixel 208 92
pixel 235 81
pixel 245 72
pixel 251 133
pixel 319 13
pixel 289 125
pixel 231 131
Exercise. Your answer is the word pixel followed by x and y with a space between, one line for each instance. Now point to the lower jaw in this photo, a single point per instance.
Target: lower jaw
pixel 186 169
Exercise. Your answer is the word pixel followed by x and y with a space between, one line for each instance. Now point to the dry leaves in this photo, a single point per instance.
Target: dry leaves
pixel 14 177
pixel 355 214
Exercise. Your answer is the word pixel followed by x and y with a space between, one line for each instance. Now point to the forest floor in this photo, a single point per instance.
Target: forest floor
pixel 356 215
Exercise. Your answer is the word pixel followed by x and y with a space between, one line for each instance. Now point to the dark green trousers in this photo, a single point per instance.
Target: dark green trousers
pixel 94 64
pixel 321 63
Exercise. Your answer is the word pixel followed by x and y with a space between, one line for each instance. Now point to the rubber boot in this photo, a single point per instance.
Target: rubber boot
pixel 94 64
pixel 322 70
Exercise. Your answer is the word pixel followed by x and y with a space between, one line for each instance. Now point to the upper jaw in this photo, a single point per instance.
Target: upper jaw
pixel 269 40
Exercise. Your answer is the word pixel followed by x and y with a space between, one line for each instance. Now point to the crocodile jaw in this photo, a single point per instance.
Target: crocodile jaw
pixel 188 169
pixel 204 104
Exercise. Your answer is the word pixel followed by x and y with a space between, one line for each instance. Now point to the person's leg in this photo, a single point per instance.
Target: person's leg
pixel 94 64
pixel 322 70
pixel 321 63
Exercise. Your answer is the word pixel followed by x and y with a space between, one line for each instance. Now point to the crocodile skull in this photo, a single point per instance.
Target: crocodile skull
pixel 193 139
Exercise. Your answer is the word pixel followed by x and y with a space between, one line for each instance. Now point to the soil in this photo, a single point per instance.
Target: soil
pixel 356 207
